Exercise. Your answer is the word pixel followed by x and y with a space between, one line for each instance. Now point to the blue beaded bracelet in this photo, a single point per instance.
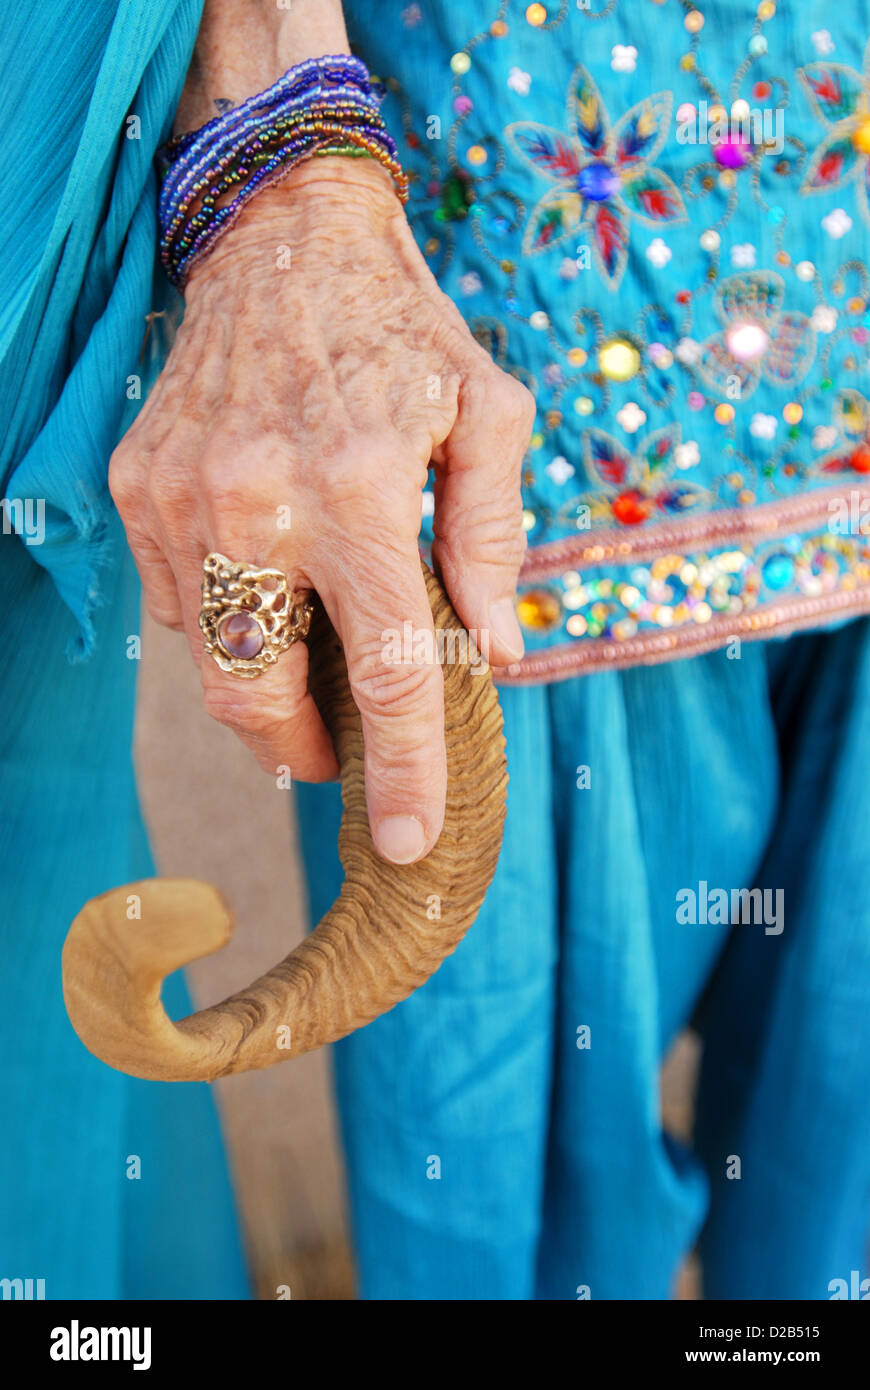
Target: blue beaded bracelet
pixel 322 106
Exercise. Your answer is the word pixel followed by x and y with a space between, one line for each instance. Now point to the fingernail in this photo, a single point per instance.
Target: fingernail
pixel 400 838
pixel 505 626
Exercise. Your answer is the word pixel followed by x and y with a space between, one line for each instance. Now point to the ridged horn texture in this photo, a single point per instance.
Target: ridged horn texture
pixel 388 931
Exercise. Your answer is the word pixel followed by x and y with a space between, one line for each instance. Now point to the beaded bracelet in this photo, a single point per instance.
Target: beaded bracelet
pixel 323 106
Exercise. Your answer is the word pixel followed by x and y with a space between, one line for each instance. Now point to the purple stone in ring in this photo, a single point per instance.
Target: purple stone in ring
pixel 597 182
pixel 240 635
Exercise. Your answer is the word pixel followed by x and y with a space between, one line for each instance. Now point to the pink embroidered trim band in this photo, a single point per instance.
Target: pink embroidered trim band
pixel 610 599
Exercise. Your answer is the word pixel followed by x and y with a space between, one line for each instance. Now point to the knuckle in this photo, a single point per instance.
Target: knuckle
pixel 123 480
pixel 164 612
pixel 237 485
pixel 489 536
pixel 519 407
pixel 246 711
pixel 349 473
pixel 386 690
pixel 167 486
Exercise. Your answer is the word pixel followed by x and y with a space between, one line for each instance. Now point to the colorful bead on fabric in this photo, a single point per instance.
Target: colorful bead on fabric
pixel 323 106
pixel 655 215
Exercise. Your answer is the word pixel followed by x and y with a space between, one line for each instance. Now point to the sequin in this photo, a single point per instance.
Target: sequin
pixel 778 571
pixel 733 152
pixel 598 182
pixel 618 359
pixel 539 609
pixel 631 508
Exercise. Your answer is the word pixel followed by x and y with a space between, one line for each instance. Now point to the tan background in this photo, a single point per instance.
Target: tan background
pixel 214 814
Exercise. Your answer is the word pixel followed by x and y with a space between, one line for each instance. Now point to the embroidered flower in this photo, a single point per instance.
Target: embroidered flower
pixel 560 470
pixel 743 256
pixel 852 417
pixel 840 97
pixel 822 42
pixel 758 338
pixel 603 175
pixel 659 253
pixel 470 283
pixel 632 488
pixel 763 426
pixel 837 223
pixel 631 417
pixel 823 318
pixel 824 436
pixel 623 57
pixel 519 81
pixel 688 351
pixel 688 454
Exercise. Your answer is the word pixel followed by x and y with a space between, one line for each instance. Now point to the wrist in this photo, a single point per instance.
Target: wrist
pixel 331 201
pixel 242 49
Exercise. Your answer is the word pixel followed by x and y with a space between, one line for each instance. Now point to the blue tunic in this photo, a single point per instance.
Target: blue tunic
pixel 657 218
pixel 688 301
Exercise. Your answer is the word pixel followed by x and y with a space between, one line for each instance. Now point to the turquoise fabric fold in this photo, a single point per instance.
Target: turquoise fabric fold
pixel 77 241
pixel 77 237
pixel 74 1210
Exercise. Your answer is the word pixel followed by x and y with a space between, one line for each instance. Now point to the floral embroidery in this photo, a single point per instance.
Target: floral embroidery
pixel 604 174
pixel 743 318
pixel 853 420
pixel 786 341
pixel 840 96
pixel 631 488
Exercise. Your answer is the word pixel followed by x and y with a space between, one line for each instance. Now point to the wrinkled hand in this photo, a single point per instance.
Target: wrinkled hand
pixel 326 386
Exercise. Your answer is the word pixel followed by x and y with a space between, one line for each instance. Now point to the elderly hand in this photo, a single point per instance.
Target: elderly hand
pixel 319 368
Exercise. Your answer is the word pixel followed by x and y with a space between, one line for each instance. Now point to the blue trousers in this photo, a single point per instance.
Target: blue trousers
pixel 76 1208
pixel 502 1126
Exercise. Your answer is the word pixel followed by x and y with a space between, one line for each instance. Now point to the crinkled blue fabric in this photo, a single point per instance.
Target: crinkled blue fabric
pixel 74 1210
pixel 77 241
pixel 77 249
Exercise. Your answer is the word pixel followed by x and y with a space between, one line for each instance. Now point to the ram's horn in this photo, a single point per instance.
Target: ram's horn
pixel 388 931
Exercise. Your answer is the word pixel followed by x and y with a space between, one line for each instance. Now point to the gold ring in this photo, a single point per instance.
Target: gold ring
pixel 249 616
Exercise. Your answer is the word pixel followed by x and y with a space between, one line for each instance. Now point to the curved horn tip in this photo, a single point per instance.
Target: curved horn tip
pixel 162 922
pixel 118 951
